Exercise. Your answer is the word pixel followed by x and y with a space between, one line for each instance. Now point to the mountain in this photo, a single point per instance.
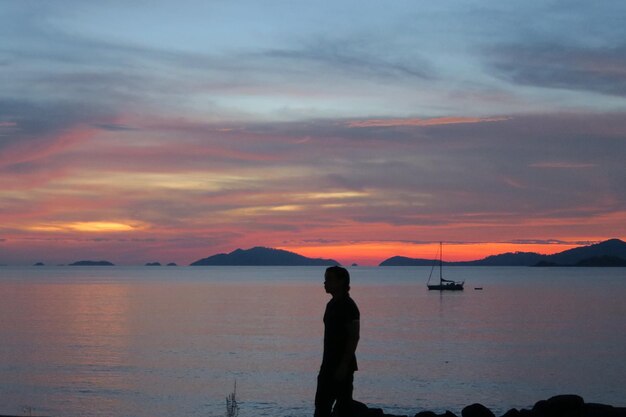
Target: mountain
pixel 612 247
pixel 260 256
pixel 506 259
pixel 606 260
pixel 92 263
pixel 404 261
pixel 582 256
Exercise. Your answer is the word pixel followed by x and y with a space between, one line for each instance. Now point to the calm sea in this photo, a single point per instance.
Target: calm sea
pixel 171 341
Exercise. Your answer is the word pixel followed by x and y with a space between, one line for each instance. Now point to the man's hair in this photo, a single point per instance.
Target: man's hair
pixel 341 274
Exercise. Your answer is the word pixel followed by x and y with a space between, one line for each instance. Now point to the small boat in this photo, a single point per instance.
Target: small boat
pixel 444 284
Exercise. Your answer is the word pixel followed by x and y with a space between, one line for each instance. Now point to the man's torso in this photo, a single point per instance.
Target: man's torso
pixel 337 317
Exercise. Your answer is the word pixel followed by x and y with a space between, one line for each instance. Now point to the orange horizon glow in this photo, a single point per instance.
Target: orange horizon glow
pixel 373 253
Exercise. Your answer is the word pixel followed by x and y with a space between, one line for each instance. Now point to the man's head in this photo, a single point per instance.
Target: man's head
pixel 336 280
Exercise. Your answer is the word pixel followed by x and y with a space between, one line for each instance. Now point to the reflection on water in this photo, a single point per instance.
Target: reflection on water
pixel 68 337
pixel 145 342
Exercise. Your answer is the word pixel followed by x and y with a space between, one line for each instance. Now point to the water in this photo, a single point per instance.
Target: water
pixel 116 341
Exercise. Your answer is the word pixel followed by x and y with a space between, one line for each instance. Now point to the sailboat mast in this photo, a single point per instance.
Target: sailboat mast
pixel 440 262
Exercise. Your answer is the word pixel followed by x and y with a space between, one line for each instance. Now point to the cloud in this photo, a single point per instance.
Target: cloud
pixel 43 130
pixel 423 122
pixel 114 127
pixel 561 165
pixel 551 242
pixel 362 57
pixel 312 136
pixel 549 65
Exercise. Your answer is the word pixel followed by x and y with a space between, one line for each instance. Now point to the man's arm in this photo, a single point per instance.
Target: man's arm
pixel 354 333
pixel 353 330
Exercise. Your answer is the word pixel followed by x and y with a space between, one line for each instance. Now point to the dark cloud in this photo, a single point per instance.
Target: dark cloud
pixel 113 127
pixel 550 242
pixel 486 168
pixel 363 57
pixel 600 70
pixel 43 129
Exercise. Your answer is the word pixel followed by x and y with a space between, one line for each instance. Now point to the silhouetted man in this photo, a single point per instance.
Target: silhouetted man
pixel 341 336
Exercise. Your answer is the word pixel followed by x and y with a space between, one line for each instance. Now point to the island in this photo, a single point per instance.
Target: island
pixel 153 264
pixel 39 264
pixel 611 252
pixel 92 263
pixel 262 256
pixel 172 264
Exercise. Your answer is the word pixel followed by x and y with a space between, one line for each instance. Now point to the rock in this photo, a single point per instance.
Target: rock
pixel 603 410
pixel 541 408
pixel 560 406
pixel 358 409
pixel 476 410
pixel 557 406
pixel 598 410
pixel 425 414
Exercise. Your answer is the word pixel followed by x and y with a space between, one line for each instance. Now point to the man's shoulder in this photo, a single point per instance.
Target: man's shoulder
pixel 351 306
pixel 350 301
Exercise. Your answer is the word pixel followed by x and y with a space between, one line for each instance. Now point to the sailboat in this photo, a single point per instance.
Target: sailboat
pixel 444 284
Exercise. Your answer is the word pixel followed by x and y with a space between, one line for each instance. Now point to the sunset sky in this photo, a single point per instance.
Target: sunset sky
pixel 140 131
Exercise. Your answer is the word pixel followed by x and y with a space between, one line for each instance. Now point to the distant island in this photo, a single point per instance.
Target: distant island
pixel 611 252
pixel 153 264
pixel 92 263
pixel 39 264
pixel 172 264
pixel 261 256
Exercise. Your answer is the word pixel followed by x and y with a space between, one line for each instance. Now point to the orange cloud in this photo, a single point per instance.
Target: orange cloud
pixel 423 122
pixel 91 226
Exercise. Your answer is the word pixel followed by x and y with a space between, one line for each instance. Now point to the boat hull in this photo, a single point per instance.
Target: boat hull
pixel 446 287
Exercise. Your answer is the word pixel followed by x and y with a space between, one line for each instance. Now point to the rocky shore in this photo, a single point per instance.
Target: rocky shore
pixel 558 406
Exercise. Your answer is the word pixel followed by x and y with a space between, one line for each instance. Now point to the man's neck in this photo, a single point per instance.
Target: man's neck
pixel 339 295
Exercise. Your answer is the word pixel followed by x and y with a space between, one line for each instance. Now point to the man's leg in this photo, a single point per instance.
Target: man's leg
pixel 325 394
pixel 344 396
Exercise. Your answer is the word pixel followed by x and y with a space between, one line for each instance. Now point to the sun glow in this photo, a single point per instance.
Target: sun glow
pixel 100 227
pixel 85 227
